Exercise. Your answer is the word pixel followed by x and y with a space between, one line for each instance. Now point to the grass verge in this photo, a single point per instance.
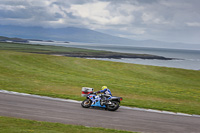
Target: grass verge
pixel 73 52
pixel 14 125
pixel 161 88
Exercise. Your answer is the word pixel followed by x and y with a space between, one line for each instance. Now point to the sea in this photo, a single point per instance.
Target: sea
pixel 184 58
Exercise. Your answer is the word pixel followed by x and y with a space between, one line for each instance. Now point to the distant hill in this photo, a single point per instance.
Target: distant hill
pixel 73 34
pixel 7 39
pixel 61 34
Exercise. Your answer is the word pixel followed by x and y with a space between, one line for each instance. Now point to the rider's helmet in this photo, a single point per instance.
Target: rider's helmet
pixel 104 87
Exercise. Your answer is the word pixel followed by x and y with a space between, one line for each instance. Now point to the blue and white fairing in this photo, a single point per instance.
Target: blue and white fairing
pixel 96 101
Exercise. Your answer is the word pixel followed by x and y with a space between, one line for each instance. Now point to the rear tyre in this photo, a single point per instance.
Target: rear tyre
pixel 114 106
pixel 86 103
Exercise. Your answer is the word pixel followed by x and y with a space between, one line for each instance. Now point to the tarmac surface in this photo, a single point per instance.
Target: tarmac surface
pixel 41 109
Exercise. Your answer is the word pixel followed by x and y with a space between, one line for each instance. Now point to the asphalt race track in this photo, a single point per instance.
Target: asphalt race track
pixel 41 109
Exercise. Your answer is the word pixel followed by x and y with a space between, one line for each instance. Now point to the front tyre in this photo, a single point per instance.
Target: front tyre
pixel 86 103
pixel 113 106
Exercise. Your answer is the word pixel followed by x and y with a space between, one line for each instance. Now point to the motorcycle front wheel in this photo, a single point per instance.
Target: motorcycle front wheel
pixel 113 106
pixel 86 103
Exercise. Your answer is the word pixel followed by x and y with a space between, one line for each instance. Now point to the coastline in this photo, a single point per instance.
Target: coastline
pixel 78 52
pixel 109 55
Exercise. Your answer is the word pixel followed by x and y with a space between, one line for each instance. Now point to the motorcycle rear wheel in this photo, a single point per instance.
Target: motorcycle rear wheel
pixel 86 103
pixel 114 106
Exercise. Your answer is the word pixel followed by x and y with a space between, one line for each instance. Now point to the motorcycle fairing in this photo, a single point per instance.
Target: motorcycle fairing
pixel 97 104
pixel 97 101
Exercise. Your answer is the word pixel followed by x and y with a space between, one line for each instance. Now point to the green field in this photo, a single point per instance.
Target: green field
pixel 14 125
pixel 73 52
pixel 36 48
pixel 161 88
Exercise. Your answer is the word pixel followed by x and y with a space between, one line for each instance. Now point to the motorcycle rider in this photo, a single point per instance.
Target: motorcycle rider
pixel 105 90
pixel 107 94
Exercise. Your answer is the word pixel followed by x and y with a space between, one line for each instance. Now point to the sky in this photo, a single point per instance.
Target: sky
pixel 163 20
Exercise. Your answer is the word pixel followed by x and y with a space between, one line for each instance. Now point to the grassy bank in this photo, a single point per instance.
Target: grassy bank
pixel 14 125
pixel 45 49
pixel 143 86
pixel 73 52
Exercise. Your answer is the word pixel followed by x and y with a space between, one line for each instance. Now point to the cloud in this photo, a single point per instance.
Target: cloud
pixel 152 18
pixel 95 12
pixel 193 24
pixel 144 19
pixel 103 13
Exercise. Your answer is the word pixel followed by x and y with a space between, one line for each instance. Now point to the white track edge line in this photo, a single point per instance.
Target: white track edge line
pixel 74 101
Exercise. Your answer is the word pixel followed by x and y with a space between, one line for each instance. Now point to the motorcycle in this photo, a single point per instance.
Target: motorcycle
pixel 110 103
